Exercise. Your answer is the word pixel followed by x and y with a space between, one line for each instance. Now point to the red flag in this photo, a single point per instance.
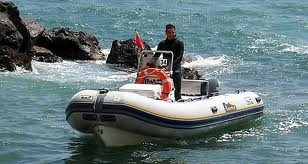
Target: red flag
pixel 139 42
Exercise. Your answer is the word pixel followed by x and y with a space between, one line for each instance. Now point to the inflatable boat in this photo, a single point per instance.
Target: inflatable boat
pixel 146 110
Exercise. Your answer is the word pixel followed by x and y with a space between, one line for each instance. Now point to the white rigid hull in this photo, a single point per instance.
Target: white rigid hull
pixel 123 118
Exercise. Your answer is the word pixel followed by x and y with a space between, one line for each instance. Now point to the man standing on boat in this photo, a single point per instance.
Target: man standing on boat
pixel 172 43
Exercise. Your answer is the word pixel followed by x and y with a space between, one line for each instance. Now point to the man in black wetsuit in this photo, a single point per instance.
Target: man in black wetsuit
pixel 171 43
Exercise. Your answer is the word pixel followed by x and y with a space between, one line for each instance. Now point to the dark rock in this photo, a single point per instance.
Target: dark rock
pixel 9 35
pixel 6 63
pixel 71 45
pixel 44 55
pixel 15 41
pixel 12 12
pixel 36 30
pixel 190 73
pixel 125 53
pixel 10 58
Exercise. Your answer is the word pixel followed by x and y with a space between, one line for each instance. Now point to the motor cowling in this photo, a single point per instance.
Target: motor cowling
pixel 213 87
pixel 80 111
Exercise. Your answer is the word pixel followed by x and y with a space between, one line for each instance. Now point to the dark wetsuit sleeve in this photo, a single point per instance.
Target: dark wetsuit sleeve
pixel 159 47
pixel 180 51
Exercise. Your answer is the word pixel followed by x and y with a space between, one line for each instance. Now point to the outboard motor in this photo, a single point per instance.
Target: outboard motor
pixel 213 87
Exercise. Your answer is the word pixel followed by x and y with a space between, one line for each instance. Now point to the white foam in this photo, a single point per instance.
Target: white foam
pixel 303 49
pixel 79 71
pixel 199 61
pixel 287 125
pixel 19 70
pixel 98 72
pixel 105 51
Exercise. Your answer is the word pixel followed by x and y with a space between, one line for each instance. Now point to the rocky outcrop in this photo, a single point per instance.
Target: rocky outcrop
pixel 15 39
pixel 190 73
pixel 12 12
pixel 44 55
pixel 9 35
pixel 36 30
pixel 71 45
pixel 18 36
pixel 124 53
pixel 11 58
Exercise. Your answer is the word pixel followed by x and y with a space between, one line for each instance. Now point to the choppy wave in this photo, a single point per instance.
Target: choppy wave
pixel 288 125
pixel 94 72
pixel 299 49
pixel 199 61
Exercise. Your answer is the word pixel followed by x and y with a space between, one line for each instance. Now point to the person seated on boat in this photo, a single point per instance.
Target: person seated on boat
pixel 172 43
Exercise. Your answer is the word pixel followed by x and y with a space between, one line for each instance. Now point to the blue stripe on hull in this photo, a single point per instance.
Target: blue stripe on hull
pixel 179 124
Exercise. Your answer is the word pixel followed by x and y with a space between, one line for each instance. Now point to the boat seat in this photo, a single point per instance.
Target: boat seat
pixel 148 90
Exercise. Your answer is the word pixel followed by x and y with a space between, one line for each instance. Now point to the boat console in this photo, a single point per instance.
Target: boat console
pixel 154 78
